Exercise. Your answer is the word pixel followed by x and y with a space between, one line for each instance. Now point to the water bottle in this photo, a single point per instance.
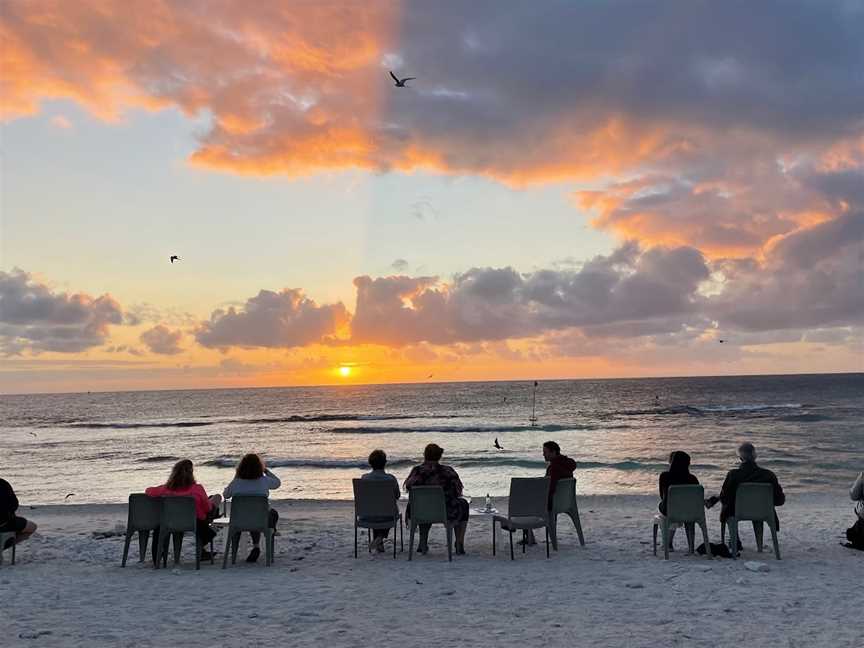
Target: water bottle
pixel 488 502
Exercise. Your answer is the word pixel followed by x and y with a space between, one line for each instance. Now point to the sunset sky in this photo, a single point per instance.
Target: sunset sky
pixel 568 189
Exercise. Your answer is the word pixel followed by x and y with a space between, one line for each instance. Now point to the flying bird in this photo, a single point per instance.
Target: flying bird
pixel 68 496
pixel 34 434
pixel 400 83
pixel 721 341
pixel 429 376
pixel 174 258
pixel 498 445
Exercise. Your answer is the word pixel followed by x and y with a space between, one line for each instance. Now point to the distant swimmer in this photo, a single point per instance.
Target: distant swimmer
pixel 656 400
pixel 68 496
pixel 34 434
pixel 498 445
pixel 400 83
pixel 505 400
pixel 174 258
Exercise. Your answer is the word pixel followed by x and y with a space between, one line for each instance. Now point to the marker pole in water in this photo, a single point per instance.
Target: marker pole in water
pixel 533 419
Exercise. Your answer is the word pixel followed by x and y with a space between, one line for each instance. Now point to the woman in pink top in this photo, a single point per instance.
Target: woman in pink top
pixel 182 482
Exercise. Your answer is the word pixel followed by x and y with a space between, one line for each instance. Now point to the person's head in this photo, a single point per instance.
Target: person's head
pixel 551 450
pixel 377 459
pixel 433 452
pixel 679 462
pixel 746 452
pixel 181 476
pixel 250 467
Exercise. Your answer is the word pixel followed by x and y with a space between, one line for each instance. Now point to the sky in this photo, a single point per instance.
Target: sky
pixel 597 189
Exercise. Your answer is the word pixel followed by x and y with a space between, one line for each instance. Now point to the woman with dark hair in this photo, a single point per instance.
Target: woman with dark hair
pixel 253 478
pixel 677 475
pixel 10 522
pixel 182 482
pixel 378 461
pixel 433 473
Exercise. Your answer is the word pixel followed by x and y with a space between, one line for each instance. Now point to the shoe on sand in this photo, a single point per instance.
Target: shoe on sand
pixel 253 555
pixel 379 545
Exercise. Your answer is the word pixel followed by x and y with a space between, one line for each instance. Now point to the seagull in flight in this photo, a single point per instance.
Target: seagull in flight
pixel 400 83
pixel 174 258
pixel 721 341
pixel 68 496
pixel 498 445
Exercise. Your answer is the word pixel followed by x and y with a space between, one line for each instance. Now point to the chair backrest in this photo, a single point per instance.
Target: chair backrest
pixel 754 502
pixel 528 497
pixel 144 512
pixel 427 504
pixel 178 513
pixel 564 498
pixel 250 512
pixel 374 498
pixel 685 503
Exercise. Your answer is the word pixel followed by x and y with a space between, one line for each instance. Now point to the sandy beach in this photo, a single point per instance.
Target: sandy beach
pixel 67 588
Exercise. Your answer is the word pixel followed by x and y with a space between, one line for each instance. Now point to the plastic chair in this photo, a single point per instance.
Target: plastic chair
pixel 564 501
pixel 428 506
pixel 375 507
pixel 754 502
pixel 685 504
pixel 4 538
pixel 144 516
pixel 178 518
pixel 526 509
pixel 249 513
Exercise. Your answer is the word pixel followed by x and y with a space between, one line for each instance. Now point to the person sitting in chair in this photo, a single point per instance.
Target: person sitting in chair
pixel 9 521
pixel 855 534
pixel 748 472
pixel 253 478
pixel 378 461
pixel 433 473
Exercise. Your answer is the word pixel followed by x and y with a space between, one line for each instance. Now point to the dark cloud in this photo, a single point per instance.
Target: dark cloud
pixel 272 319
pixel 37 319
pixel 399 265
pixel 628 286
pixel 162 340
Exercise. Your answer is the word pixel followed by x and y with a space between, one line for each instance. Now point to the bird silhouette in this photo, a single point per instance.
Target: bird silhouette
pixel 721 341
pixel 400 83
pixel 498 445
pixel 68 496
pixel 429 376
pixel 174 258
pixel 34 434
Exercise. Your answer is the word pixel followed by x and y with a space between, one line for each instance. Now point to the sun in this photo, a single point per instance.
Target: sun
pixel 344 371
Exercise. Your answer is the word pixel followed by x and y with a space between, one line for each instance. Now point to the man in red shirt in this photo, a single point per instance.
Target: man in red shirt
pixel 558 467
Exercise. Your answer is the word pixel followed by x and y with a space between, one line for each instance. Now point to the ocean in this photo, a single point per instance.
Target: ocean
pixel 103 446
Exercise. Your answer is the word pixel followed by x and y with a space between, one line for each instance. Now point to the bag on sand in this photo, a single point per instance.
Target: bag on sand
pixel 855 535
pixel 720 550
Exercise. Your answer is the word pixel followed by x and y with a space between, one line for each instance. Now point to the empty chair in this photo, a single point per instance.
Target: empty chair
pixel 564 501
pixel 754 502
pixel 249 513
pixel 684 505
pixel 429 507
pixel 376 508
pixel 178 518
pixel 144 517
pixel 526 509
pixel 4 538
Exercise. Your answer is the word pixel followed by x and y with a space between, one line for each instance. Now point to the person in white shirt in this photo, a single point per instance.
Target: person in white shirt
pixel 253 478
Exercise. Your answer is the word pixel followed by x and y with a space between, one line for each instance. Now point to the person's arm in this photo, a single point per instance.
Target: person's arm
pixel 856 493
pixel 396 490
pixel 228 493
pixel 10 496
pixel 779 495
pixel 411 479
pixel 273 482
pixel 458 482
pixel 662 484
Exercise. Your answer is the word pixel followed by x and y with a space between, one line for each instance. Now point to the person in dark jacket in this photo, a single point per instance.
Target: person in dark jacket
pixel 9 521
pixel 558 467
pixel 747 473
pixel 678 475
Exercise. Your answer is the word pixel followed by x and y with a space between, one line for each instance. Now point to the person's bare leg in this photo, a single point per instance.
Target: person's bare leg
pixel 460 537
